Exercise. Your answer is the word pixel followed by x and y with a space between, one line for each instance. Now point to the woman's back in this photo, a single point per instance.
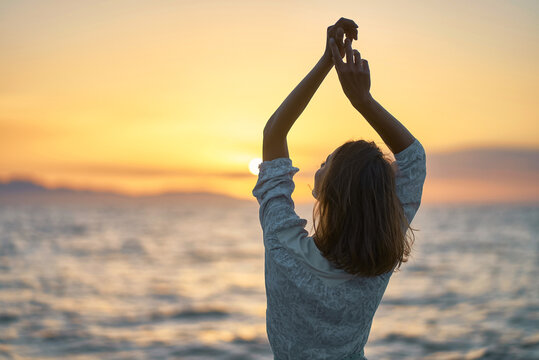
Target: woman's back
pixel 315 310
pixel 309 319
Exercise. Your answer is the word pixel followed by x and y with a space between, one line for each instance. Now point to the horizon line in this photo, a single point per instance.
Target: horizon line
pixel 144 196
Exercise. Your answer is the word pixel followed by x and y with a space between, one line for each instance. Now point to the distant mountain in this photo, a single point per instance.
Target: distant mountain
pixel 29 192
pixel 17 186
pixel 29 187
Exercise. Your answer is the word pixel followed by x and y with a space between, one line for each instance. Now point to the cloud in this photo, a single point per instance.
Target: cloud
pixel 144 171
pixel 483 175
pixel 484 163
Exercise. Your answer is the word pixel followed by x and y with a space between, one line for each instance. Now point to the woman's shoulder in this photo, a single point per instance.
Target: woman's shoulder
pixel 413 151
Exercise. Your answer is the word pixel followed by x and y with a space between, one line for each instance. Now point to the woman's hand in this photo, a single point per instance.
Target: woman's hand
pixel 355 78
pixel 354 74
pixel 337 31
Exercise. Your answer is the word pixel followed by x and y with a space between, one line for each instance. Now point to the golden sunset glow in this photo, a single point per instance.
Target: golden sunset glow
pixel 148 97
pixel 253 165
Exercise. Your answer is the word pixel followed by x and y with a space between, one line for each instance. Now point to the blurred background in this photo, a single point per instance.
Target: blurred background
pixel 130 132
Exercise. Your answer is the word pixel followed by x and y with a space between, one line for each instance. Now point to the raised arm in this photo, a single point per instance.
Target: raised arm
pixel 279 124
pixel 354 75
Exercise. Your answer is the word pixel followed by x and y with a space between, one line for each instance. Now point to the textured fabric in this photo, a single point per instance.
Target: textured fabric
pixel 314 310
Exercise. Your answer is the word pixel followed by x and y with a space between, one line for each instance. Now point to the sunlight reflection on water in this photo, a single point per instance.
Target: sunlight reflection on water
pixel 151 281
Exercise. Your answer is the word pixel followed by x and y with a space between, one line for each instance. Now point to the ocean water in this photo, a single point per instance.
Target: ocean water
pixel 187 282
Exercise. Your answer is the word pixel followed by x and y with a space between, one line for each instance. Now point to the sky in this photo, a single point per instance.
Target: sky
pixel 143 97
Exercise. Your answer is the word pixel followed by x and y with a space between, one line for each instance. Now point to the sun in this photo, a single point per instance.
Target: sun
pixel 253 165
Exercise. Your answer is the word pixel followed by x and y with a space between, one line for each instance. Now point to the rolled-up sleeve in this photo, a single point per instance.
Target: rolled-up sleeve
pixel 273 192
pixel 411 171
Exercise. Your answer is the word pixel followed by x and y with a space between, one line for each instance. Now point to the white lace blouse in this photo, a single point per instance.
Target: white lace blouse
pixel 314 310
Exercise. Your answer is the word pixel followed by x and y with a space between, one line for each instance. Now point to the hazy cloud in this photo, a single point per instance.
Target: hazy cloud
pixel 142 171
pixel 484 163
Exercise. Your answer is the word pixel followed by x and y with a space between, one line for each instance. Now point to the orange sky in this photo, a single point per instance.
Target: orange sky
pixel 143 97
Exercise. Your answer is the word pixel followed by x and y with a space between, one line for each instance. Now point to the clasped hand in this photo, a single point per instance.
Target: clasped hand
pixel 354 74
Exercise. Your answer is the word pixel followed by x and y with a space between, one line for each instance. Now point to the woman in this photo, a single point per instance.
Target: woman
pixel 322 291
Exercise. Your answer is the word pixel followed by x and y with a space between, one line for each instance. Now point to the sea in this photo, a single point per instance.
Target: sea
pixel 186 281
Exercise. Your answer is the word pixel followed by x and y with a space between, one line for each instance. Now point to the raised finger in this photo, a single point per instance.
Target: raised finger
pixel 348 49
pixel 366 66
pixel 339 36
pixel 335 52
pixel 357 57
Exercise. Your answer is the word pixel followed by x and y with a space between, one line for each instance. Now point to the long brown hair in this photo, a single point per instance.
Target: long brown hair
pixel 359 223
